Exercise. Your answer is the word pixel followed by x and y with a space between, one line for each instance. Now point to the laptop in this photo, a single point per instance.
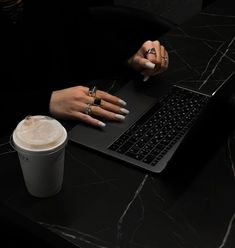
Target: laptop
pixel 161 122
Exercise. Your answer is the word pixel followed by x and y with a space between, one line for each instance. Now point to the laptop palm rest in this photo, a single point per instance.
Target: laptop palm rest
pixel 100 138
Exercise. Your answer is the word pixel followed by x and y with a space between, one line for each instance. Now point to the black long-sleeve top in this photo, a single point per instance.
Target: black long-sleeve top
pixel 53 45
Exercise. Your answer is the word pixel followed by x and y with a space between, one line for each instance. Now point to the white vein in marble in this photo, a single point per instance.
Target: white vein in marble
pixel 217 64
pixel 227 232
pixel 7 152
pixel 75 235
pixel 185 35
pixel 216 15
pixel 186 63
pixel 121 219
pixel 226 56
pixel 210 60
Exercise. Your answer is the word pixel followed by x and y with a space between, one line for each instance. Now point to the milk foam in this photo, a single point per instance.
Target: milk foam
pixel 39 133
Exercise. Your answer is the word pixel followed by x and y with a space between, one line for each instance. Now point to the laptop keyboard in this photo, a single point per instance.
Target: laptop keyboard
pixel 156 132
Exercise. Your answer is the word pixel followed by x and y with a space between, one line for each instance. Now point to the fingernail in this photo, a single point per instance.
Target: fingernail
pixel 149 65
pixel 146 78
pixel 101 124
pixel 124 111
pixel 119 117
pixel 122 102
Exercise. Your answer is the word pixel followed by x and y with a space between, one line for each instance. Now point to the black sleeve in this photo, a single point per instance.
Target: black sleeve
pixel 24 91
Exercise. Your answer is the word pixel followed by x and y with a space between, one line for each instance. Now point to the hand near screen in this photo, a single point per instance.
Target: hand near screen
pixel 91 105
pixel 151 59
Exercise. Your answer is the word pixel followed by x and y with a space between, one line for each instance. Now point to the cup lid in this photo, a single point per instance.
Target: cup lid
pixel 39 133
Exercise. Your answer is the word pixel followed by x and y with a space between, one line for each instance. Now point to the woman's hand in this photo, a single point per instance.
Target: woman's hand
pixel 78 103
pixel 151 59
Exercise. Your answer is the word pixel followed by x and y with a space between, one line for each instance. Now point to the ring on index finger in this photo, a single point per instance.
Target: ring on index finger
pixel 151 51
pixel 92 91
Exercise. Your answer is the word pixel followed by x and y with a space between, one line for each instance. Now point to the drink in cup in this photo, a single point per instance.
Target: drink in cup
pixel 40 142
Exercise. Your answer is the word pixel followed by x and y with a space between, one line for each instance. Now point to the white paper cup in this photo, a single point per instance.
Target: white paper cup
pixel 40 143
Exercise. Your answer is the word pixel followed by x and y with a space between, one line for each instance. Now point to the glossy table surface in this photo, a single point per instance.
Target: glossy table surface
pixel 105 203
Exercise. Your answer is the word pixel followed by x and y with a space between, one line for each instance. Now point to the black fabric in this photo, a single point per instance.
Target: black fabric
pixel 34 56
pixel 57 44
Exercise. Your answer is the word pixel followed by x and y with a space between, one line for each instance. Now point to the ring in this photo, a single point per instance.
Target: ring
pixel 87 110
pixel 97 101
pixel 92 91
pixel 150 51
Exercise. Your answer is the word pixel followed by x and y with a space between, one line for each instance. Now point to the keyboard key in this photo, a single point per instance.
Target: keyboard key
pixel 155 133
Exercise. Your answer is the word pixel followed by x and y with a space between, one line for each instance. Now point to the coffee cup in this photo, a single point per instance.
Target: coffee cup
pixel 40 142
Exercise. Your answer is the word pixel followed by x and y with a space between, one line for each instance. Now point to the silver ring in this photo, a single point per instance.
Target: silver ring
pixel 92 91
pixel 151 51
pixel 87 110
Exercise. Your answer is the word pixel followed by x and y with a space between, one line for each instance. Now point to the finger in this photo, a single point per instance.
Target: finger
pixel 167 58
pixel 150 51
pixel 97 111
pixel 89 119
pixel 113 108
pixel 163 57
pixel 165 62
pixel 158 57
pixel 153 53
pixel 146 78
pixel 162 66
pixel 147 73
pixel 110 98
pixel 104 96
pixel 143 63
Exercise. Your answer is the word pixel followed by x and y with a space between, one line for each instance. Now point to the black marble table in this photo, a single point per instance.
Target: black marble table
pixel 105 203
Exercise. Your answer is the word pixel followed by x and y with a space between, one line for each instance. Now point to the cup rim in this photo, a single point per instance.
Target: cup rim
pixel 53 149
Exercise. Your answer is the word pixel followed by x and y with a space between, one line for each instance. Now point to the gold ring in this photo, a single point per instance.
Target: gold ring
pixel 87 110
pixel 92 91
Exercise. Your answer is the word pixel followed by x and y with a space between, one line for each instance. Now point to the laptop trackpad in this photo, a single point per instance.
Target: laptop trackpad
pixel 137 103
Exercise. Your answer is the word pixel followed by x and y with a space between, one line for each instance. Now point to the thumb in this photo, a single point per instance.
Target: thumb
pixel 143 63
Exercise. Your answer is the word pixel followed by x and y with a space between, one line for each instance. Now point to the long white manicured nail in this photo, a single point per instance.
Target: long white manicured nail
pixel 124 111
pixel 119 117
pixel 101 124
pixel 146 78
pixel 122 102
pixel 149 65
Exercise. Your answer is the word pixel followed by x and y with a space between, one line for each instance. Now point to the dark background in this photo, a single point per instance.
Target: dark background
pixel 173 10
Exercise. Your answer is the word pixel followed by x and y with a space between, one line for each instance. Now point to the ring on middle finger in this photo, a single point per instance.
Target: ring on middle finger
pixel 97 101
pixel 151 51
